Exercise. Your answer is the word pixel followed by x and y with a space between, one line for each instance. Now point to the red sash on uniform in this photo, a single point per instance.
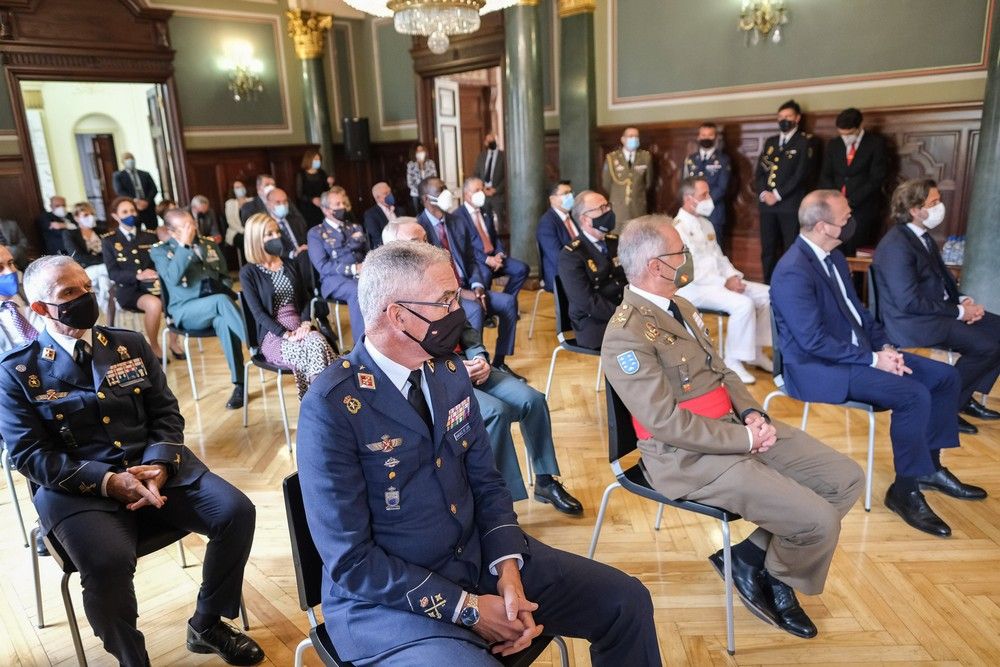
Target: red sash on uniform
pixel 713 405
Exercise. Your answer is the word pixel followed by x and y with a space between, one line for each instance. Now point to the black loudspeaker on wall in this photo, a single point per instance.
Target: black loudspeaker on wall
pixel 357 144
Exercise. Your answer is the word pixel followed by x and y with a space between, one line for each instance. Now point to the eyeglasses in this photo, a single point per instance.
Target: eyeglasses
pixel 604 208
pixel 683 251
pixel 448 305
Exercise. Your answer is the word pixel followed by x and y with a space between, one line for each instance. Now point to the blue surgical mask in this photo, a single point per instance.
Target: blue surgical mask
pixel 632 143
pixel 567 201
pixel 390 200
pixel 8 284
pixel 317 164
pixel 128 221
pixel 130 163
pixel 280 210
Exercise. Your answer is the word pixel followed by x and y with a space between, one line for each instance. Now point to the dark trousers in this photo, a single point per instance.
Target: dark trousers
pixel 778 229
pixel 346 289
pixel 504 306
pixel 516 272
pixel 979 345
pixel 102 545
pixel 923 409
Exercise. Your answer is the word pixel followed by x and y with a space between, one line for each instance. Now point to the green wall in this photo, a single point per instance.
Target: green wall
pixel 395 66
pixel 342 74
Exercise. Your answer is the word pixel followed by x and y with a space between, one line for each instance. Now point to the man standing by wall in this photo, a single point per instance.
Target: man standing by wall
pixel 711 164
pixel 627 177
pixel 140 186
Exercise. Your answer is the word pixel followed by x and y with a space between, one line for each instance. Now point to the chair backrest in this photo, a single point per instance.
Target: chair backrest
pixel 249 326
pixel 776 359
pixel 873 293
pixel 305 557
pixel 621 433
pixel 563 323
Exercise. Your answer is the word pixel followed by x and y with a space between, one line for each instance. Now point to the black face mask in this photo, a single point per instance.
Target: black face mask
pixel 847 231
pixel 604 222
pixel 79 313
pixel 442 335
pixel 274 247
pixel 786 125
pixel 492 145
pixel 340 214
pixel 706 143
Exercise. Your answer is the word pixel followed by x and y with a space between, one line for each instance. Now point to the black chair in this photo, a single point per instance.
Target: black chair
pixel 257 359
pixel 779 382
pixel 148 543
pixel 114 307
pixel 622 441
pixel 337 303
pixel 187 334
pixel 567 339
pixel 310 583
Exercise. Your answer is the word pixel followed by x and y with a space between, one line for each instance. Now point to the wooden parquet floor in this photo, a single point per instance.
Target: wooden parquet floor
pixel 894 595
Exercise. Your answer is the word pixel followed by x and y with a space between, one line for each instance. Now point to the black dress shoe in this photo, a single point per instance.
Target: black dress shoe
pixel 914 510
pixel 40 547
pixel 226 642
pixel 507 369
pixel 235 401
pixel 749 583
pixel 555 494
pixel 179 356
pixel 944 481
pixel 976 409
pixel 791 617
pixel 966 428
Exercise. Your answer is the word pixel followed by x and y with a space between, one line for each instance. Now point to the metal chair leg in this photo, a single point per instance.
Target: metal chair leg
pixel 552 369
pixel 190 364
pixel 563 651
pixel 246 391
pixel 340 332
pixel 600 517
pixel 600 367
pixel 5 461
pixel 37 577
pixel 284 413
pixel 180 546
pixel 201 348
pixel 74 628
pixel 659 517
pixel 243 613
pixel 767 399
pixel 163 347
pixel 300 650
pixel 722 339
pixel 805 416
pixel 871 460
pixel 727 559
pixel 534 312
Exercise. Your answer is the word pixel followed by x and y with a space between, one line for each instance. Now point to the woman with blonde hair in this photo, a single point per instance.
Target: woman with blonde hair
pixel 278 296
pixel 83 243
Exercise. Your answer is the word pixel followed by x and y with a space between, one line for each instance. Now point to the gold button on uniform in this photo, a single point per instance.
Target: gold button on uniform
pixel 106 419
pixel 100 394
pixel 392 474
pixel 136 390
pixel 465 444
pixel 59 417
pixel 438 462
pixel 118 443
pixel 454 508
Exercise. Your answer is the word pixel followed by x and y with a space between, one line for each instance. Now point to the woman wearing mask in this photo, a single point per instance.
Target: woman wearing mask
pixel 84 245
pixel 234 226
pixel 278 296
pixel 137 285
pixel 312 181
pixel 417 169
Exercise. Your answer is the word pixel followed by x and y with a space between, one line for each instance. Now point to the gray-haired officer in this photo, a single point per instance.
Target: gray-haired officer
pixel 193 271
pixel 90 421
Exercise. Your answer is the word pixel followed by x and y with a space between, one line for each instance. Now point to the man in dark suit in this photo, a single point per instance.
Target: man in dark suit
pixel 265 183
pixel 835 351
pixel 16 242
pixel 140 186
pixel 489 249
pixel 590 271
pixel 782 170
pixel 208 222
pixel 427 564
pixel 379 215
pixel 336 250
pixel 920 305
pixel 447 231
pixel 712 165
pixel 51 225
pixel 556 229
pixel 89 419
pixel 855 163
pixel 291 223
pixel 491 169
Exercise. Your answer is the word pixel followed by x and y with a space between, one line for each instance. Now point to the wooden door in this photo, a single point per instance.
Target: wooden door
pixel 448 131
pixel 105 163
pixel 475 123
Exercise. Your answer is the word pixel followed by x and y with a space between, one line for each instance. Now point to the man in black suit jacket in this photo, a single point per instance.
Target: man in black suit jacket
pixel 855 163
pixel 265 183
pixel 51 225
pixel 140 186
pixel 919 302
pixel 782 172
pixel 379 215
pixel 491 167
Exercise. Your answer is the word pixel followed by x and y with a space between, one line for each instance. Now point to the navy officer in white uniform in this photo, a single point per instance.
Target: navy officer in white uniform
pixel 425 563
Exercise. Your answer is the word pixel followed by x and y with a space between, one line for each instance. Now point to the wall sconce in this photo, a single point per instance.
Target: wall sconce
pixel 760 17
pixel 243 70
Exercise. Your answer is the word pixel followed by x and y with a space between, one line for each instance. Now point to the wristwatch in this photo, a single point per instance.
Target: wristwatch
pixel 469 615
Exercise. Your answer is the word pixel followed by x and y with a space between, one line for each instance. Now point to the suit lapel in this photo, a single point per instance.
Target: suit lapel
pixel 390 401
pixel 825 278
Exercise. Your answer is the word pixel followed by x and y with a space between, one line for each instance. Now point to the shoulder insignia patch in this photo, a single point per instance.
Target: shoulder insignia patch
pixel 628 362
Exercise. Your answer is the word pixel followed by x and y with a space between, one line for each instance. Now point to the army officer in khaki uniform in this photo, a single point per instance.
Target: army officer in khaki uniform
pixel 708 440
pixel 628 177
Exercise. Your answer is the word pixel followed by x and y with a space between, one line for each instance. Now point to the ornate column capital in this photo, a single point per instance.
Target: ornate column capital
pixel 571 7
pixel 307 30
pixel 528 3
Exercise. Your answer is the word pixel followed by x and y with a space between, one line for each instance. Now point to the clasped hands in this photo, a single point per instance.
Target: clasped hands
pixel 478 369
pixel 139 486
pixel 972 312
pixel 763 432
pixel 505 619
pixel 891 360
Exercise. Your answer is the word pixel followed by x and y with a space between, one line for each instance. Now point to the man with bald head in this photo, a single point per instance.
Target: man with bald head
pixel 627 177
pixel 51 225
pixel 704 437
pixel 834 351
pixel 290 222
pixel 379 215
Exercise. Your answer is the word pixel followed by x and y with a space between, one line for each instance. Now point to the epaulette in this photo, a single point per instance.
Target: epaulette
pixel 107 234
pixel 157 244
pixel 622 315
pixel 613 237
pixel 207 238
pixel 572 246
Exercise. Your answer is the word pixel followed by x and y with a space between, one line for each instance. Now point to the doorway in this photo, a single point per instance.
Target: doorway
pixel 78 131
pixel 467 107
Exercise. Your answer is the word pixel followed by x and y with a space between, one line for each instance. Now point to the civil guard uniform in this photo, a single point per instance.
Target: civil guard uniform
pixel 409 517
pixel 69 425
pixel 334 252
pixel 593 280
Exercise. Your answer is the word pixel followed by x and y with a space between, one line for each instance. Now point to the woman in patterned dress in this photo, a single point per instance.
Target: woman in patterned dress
pixel 278 296
pixel 417 169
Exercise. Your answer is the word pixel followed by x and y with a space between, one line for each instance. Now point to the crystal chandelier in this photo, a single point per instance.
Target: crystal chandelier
pixel 760 17
pixel 434 19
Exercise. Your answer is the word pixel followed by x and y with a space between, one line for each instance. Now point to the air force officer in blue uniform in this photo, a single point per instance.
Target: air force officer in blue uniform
pixel 425 563
pixel 90 421
pixel 712 165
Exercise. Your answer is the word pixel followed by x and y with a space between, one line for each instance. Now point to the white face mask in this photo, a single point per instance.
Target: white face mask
pixel 478 199
pixel 935 215
pixel 59 211
pixel 705 207
pixel 267 189
pixel 240 192
pixel 445 200
pixel 87 221
pixel 420 156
